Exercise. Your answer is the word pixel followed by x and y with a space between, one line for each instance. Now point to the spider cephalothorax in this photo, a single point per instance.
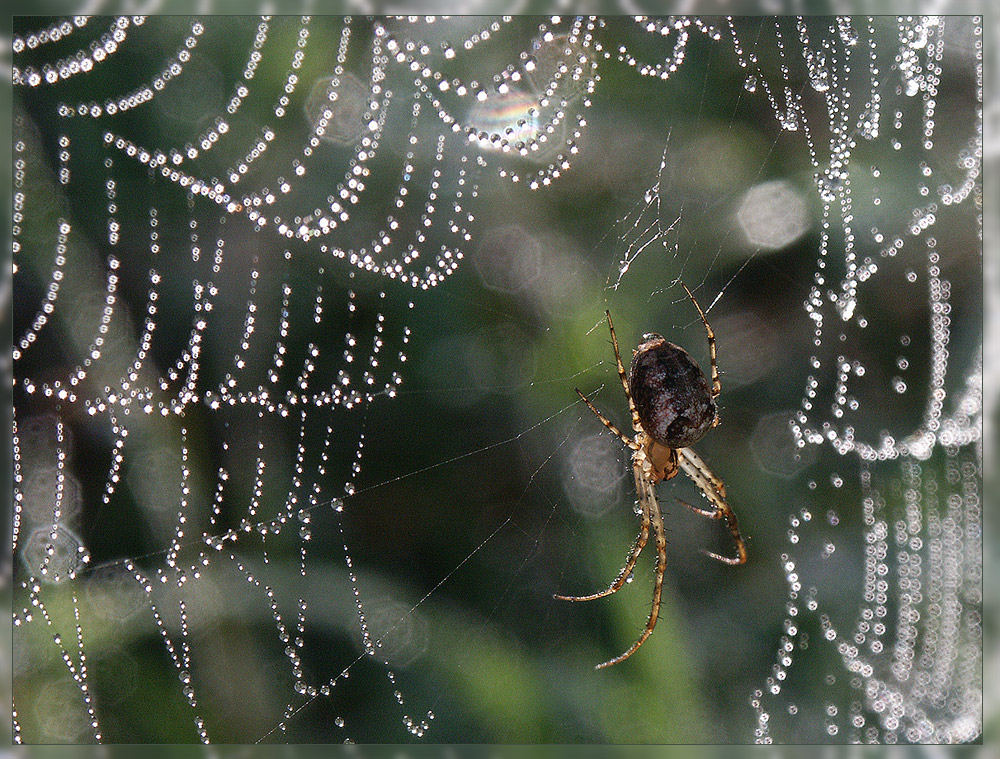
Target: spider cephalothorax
pixel 672 405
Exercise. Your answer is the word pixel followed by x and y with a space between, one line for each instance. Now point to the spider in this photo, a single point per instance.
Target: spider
pixel 672 407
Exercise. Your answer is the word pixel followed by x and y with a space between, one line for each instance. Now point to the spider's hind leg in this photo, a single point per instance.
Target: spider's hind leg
pixel 729 516
pixel 714 491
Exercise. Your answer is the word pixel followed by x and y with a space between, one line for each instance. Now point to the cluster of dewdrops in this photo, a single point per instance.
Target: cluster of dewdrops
pixel 141 95
pixel 53 555
pixel 59 553
pixel 51 73
pixel 566 60
pixel 679 28
pixel 533 98
pixel 259 205
pixel 139 390
pixel 56 275
pixel 172 393
pixel 575 67
pixel 919 57
pixel 57 32
pixel 51 551
pixel 912 667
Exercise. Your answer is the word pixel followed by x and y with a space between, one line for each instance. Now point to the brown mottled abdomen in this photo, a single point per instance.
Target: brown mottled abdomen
pixel 671 393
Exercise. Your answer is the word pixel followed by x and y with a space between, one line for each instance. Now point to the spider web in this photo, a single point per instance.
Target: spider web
pixel 299 305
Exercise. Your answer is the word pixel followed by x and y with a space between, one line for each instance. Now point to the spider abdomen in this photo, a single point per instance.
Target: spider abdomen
pixel 671 393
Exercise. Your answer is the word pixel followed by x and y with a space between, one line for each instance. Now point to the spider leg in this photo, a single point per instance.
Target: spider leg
pixel 698 462
pixel 623 575
pixel 715 492
pixel 608 423
pixel 716 384
pixel 647 498
pixel 710 513
pixel 621 374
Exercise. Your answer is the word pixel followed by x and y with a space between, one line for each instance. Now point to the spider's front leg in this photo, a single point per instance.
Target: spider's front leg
pixel 643 536
pixel 651 511
pixel 608 423
pixel 626 571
